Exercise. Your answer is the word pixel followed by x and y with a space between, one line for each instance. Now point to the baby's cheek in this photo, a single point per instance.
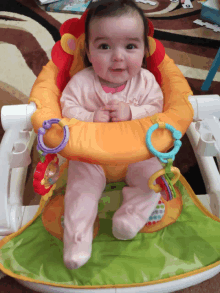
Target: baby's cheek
pixel 100 62
pixel 98 66
pixel 135 62
pixel 104 60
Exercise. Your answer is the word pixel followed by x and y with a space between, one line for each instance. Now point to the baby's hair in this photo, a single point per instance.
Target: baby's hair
pixel 114 8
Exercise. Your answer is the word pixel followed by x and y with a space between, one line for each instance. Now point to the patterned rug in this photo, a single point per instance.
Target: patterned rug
pixel 28 33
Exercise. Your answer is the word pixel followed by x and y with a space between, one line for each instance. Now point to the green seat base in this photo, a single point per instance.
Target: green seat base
pixel 191 243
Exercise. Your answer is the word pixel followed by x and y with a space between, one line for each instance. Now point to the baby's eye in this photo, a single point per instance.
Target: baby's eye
pixel 104 46
pixel 130 46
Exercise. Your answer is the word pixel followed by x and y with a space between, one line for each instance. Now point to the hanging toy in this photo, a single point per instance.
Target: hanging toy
pixel 163 183
pixel 165 189
pixel 47 171
pixel 46 174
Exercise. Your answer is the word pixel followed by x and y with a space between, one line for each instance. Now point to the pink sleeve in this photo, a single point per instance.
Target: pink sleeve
pixel 71 102
pixel 151 103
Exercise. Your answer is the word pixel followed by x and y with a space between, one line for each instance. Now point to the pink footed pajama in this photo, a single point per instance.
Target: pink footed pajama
pixel 85 185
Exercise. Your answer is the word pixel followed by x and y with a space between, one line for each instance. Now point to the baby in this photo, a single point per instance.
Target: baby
pixel 115 87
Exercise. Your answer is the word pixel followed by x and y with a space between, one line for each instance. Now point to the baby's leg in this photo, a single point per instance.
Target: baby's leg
pixel 139 201
pixel 85 185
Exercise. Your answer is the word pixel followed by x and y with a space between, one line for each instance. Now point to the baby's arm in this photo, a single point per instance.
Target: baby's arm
pixel 151 103
pixel 71 104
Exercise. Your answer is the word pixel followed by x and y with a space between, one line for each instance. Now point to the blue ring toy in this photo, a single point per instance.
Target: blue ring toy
pixel 47 125
pixel 177 144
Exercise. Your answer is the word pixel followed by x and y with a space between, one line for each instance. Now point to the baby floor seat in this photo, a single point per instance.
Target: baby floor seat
pixel 175 257
pixel 173 251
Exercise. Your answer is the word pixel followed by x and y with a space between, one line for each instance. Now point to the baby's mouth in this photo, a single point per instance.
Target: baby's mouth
pixel 117 70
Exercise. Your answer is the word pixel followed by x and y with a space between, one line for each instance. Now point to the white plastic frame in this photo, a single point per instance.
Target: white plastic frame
pixel 15 151
pixel 15 148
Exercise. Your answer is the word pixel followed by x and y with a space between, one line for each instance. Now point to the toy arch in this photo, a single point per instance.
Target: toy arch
pixel 108 143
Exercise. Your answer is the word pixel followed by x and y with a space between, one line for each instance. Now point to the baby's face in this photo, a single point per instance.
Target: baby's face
pixel 116 48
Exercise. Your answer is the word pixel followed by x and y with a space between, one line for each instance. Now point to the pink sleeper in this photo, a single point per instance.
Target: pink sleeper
pixel 86 182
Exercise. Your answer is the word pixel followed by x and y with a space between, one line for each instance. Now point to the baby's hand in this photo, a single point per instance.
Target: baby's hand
pixel 119 111
pixel 101 115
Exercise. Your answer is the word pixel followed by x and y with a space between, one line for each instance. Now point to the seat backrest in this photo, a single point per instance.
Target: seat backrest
pixel 67 59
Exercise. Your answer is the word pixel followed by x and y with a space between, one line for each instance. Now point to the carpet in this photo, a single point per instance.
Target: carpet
pixel 27 35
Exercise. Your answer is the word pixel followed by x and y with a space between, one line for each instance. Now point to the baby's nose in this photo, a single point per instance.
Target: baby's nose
pixel 118 55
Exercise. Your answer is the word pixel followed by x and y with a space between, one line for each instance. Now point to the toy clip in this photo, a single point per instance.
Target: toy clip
pixel 163 183
pixel 47 125
pixel 177 144
pixel 47 171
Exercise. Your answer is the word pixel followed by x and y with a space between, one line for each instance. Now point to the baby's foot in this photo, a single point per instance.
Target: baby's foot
pixel 77 253
pixel 126 225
